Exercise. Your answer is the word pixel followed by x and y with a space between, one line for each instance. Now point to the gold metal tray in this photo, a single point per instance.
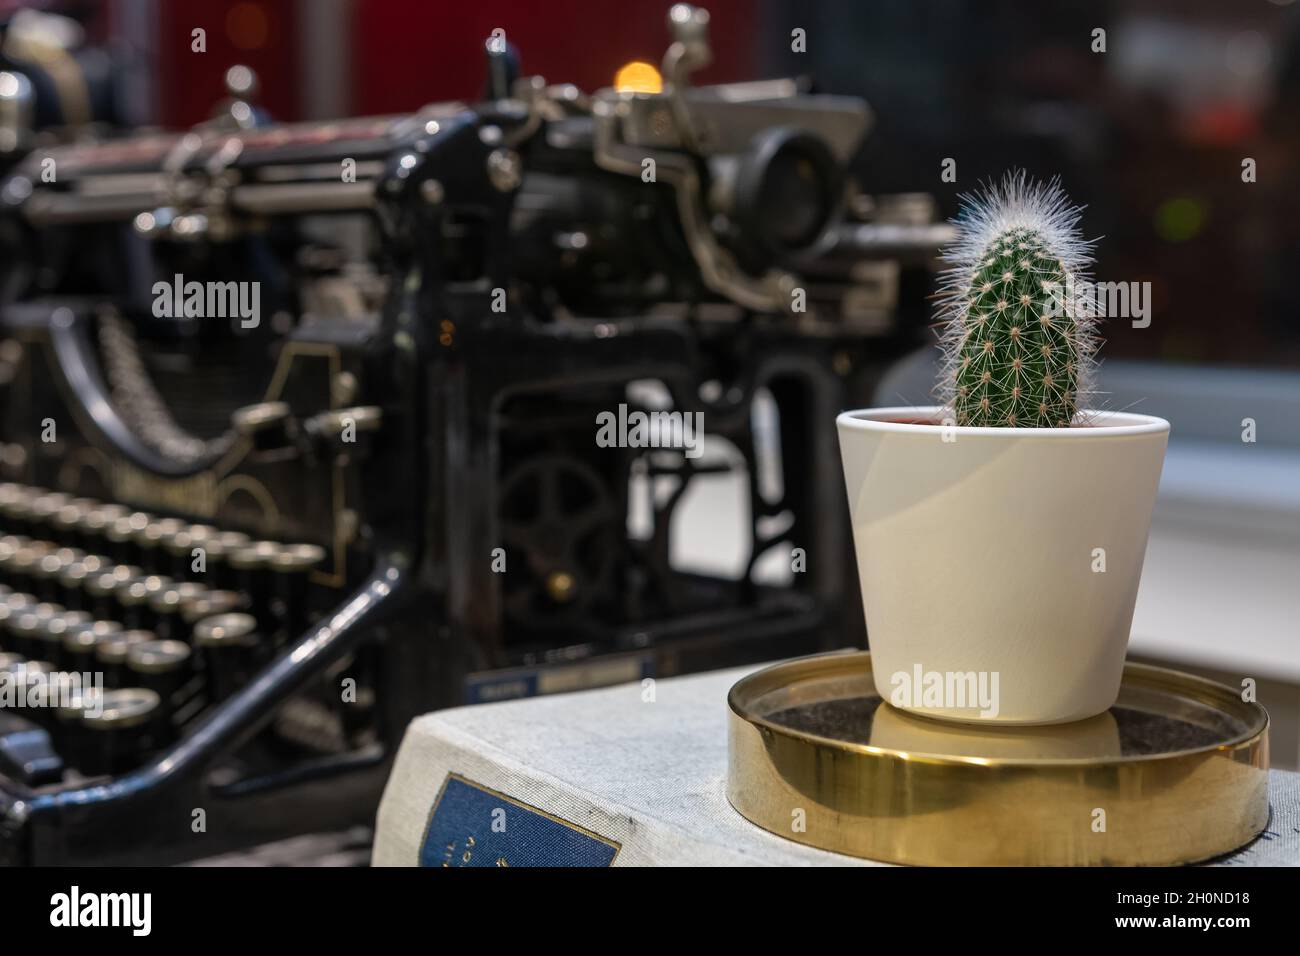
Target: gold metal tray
pixel 1176 772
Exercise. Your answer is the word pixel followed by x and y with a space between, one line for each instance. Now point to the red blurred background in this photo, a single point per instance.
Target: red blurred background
pixel 401 54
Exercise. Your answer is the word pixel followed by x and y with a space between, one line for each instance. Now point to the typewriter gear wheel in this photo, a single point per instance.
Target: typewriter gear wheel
pixel 556 515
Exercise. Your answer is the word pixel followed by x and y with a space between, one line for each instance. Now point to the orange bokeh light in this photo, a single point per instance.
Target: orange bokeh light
pixel 638 77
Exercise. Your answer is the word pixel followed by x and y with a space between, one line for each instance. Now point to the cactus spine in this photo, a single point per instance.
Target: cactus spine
pixel 1018 339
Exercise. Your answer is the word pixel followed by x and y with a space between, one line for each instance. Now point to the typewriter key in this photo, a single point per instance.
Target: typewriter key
pixel 346 431
pixel 22 565
pixel 45 645
pixel 11 670
pixel 56 630
pixel 33 676
pixel 74 577
pixel 9 545
pixel 166 605
pixel 202 536
pixel 179 546
pixel 253 556
pixel 30 687
pixel 149 541
pixel 219 548
pixel 9 493
pixel 67 522
pixel 251 564
pixel 18 599
pixel 21 513
pixel 95 524
pixel 22 627
pixel 103 588
pixel 292 566
pixel 163 667
pixel 120 734
pixel 17 511
pixel 121 533
pixel 45 573
pixel 228 645
pixel 48 691
pixel 111 652
pixel 133 597
pixel 127 572
pixel 81 644
pixel 44 508
pixel 71 736
pixel 12 605
pixel 27 628
pixel 99 593
pixel 211 603
pixel 140 597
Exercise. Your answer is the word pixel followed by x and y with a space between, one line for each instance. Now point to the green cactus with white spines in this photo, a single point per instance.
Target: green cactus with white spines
pixel 1018 340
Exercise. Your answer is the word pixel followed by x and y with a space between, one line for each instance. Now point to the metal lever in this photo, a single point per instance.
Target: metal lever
pixel 268 425
pixel 502 67
pixel 346 429
pixel 689 51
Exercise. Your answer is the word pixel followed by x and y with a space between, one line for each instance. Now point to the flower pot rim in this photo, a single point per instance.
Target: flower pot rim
pixel 1100 424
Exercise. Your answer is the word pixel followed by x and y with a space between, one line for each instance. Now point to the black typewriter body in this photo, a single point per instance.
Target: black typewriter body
pixel 310 413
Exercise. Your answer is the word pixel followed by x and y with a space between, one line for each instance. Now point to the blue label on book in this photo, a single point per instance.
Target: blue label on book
pixel 473 825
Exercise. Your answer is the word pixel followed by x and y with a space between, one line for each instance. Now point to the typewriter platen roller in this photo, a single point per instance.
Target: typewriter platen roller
pixel 298 441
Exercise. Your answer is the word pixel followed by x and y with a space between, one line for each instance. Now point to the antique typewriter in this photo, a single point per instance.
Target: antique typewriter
pixel 298 430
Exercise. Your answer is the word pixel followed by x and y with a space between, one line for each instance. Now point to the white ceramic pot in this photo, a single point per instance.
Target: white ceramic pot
pixel 999 566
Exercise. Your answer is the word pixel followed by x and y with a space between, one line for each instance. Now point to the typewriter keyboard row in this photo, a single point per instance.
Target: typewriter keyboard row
pixel 118 627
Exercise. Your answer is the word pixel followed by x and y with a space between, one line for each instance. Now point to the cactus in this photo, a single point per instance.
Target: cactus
pixel 1018 341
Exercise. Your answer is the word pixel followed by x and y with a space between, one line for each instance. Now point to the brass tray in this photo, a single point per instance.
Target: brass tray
pixel 1176 772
